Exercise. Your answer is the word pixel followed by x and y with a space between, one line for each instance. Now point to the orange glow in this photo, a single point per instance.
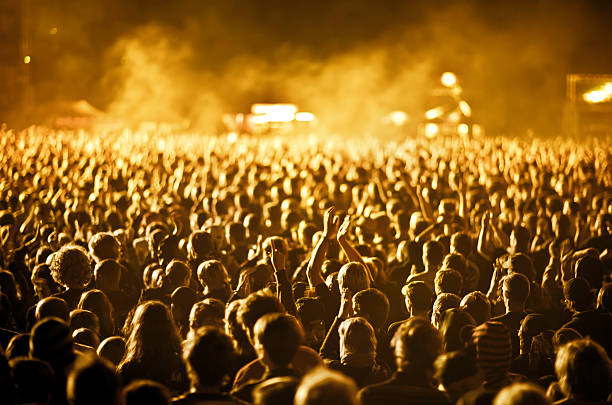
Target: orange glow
pixel 448 79
pixel 599 95
pixel 27 59
pixel 434 113
pixel 397 118
pixel 465 108
pixel 304 117
pixel 53 31
pixel 463 129
pixel 431 130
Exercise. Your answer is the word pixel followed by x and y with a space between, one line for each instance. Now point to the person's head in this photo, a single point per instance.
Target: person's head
pixel 82 318
pixel 443 302
pixel 86 337
pixel 276 391
pixel 104 245
pixel 604 298
pixel 418 297
pixel 277 338
pixel 107 274
pixel 213 275
pixel 357 338
pixel 93 381
pixel 532 325
pixel 448 281
pixel 461 243
pixel 583 370
pixel 563 336
pixel 521 394
pixel 591 269
pixel 98 303
pixel 373 305
pixel 51 341
pixel 234 329
pixel 33 380
pixel 478 305
pixel 493 348
pixel 455 328
pixel 208 355
pixel 70 267
pixel 182 299
pixel 153 335
pixel 178 273
pixel 416 345
pixel 52 307
pixel 353 276
pixel 323 387
pixel 42 281
pixel 457 373
pixel 521 263
pixel 578 295
pixel 455 261
pixel 145 392
pixel 18 346
pixel 200 245
pixel 515 290
pixel 311 312
pixel 208 312
pixel 254 307
pixel 520 239
pixel 112 349
pixel 433 254
pixel 274 243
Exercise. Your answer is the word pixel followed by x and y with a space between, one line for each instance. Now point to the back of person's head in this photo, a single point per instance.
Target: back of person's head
pixel 18 346
pixel 82 318
pixel 455 261
pixel 52 307
pixel 107 274
pixel 373 305
pixel 578 294
pixel 416 345
pixel 276 391
pixel 208 312
pixel 448 281
pixel 591 269
pixel 208 354
pixel 277 338
pixel 461 243
pixel 604 298
pixel 491 341
pixel 51 341
pixel 86 337
pixel 104 245
pixel 309 310
pixel 147 392
pixel 93 381
pixel 521 263
pixel 254 307
pixel 353 276
pixel 178 273
pixel 433 254
pixel 478 305
pixel 454 367
pixel 323 387
pixel 521 394
pixel 443 302
pixel 97 302
pixel 70 267
pixel 532 325
pixel 212 275
pixel 183 299
pixel 515 288
pixel 583 370
pixel 563 336
pixel 200 245
pixel 418 296
pixel 356 337
pixel 33 380
pixel 455 327
pixel 112 349
pixel 520 239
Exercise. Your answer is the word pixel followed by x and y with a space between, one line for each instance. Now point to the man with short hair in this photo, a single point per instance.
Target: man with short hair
pixel 515 291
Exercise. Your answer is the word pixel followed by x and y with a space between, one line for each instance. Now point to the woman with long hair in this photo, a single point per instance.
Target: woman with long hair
pixel 153 349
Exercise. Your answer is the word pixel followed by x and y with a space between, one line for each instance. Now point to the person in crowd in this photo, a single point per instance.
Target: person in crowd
pixel 320 387
pixel 521 394
pixel 71 268
pixel 145 392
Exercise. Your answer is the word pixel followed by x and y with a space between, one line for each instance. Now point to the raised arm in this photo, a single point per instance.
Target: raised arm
pixel 330 230
pixel 347 247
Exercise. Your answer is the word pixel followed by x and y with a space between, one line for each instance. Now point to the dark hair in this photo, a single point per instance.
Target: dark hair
pixel 416 344
pixel 33 379
pixel 454 366
pixel 70 267
pixel 276 391
pixel 255 306
pixel 448 281
pixel 93 382
pixel 578 292
pixel 208 355
pixel 443 302
pixel 52 307
pixel 206 311
pixel 112 349
pixel 280 336
pixel 583 370
pixel 462 243
pixel 51 341
pixel 455 326
pixel 104 245
pixel 309 309
pixel 82 318
pixel 478 305
pixel 517 287
pixel 373 305
pixel 419 295
pixel 97 302
pixel 433 253
pixel 145 392
pixel 591 269
pixel 18 346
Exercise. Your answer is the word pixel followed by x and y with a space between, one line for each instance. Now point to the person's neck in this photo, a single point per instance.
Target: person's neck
pixel 515 306
pixel 414 312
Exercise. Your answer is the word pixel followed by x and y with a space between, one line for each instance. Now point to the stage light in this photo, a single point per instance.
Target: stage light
pixel 431 130
pixel 27 59
pixel 599 95
pixel 448 79
pixel 53 31
pixel 463 129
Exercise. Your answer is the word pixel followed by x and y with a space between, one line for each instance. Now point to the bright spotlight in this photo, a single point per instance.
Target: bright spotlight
pixel 448 79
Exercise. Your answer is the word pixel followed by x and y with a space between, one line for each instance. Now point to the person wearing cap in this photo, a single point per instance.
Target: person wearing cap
pixel 588 321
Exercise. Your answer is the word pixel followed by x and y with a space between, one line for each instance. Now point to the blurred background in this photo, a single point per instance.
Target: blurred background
pixel 349 62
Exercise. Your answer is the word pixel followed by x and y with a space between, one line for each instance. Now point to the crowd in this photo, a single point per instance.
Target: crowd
pixel 165 269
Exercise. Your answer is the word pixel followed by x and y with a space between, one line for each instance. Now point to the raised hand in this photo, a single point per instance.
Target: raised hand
pixel 278 259
pixel 330 224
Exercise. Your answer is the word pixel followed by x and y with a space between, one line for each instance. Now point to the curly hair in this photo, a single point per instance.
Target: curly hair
pixel 70 267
